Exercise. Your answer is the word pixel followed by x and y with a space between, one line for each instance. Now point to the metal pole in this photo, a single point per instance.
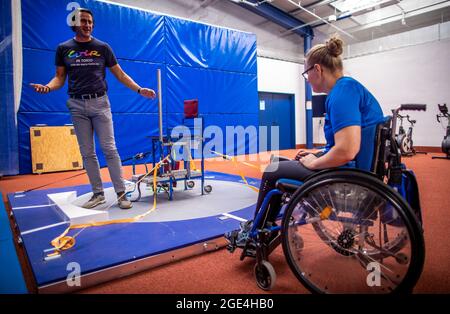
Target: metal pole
pixel 307 40
pixel 160 105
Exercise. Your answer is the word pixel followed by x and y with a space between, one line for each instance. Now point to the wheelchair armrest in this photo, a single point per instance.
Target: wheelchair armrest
pixel 288 185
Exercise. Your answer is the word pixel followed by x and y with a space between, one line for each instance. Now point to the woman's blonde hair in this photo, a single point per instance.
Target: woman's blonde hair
pixel 327 55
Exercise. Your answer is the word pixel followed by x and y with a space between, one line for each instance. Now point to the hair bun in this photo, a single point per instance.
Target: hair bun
pixel 334 46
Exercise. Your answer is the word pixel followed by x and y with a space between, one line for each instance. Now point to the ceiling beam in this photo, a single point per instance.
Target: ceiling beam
pixel 277 16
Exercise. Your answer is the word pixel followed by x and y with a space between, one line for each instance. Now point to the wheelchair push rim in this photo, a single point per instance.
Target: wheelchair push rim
pixel 345 231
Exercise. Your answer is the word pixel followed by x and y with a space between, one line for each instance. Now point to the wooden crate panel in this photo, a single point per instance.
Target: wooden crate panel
pixel 54 148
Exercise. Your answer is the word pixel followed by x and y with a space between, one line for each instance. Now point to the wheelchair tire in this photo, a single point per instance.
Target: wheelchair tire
pixel 265 275
pixel 334 224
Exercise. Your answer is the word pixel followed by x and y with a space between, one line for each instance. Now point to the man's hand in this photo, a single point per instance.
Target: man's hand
pixel 43 89
pixel 301 153
pixel 147 92
pixel 309 161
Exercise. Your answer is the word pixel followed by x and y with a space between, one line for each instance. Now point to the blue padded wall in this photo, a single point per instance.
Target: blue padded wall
pixel 9 163
pixel 209 47
pixel 133 34
pixel 217 91
pixel 218 67
pixel 215 65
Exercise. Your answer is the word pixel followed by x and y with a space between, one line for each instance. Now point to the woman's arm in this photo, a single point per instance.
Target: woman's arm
pixel 347 144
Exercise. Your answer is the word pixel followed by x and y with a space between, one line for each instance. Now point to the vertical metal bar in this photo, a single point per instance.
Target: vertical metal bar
pixel 308 100
pixel 202 160
pixel 160 105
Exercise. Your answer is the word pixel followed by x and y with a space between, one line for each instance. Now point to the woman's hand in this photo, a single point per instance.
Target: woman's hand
pixel 301 153
pixel 308 161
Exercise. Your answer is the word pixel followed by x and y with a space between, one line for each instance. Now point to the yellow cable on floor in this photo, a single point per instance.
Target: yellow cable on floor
pixel 65 242
pixel 191 161
pixel 233 159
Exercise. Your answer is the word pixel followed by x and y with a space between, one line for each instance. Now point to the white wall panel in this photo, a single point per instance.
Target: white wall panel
pixel 416 74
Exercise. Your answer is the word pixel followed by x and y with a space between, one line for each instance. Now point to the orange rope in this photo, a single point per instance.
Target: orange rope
pixel 233 159
pixel 65 242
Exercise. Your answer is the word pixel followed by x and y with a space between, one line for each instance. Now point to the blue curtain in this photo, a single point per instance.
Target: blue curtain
pixel 9 161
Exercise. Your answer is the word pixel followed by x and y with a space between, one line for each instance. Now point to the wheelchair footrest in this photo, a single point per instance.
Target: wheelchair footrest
pixel 249 250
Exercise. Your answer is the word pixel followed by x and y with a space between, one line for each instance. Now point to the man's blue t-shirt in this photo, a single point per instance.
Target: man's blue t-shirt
pixel 349 103
pixel 85 63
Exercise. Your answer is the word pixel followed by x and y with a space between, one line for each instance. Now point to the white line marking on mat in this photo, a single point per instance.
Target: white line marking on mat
pixel 33 206
pixel 234 217
pixel 44 227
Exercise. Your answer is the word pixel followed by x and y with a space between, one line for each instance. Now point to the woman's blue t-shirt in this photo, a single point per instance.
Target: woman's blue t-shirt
pixel 349 103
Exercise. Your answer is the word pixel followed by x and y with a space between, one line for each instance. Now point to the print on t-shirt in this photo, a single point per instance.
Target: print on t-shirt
pixel 85 63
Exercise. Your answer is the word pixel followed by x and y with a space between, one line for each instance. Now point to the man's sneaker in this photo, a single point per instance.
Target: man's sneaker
pixel 95 200
pixel 123 201
pixel 239 237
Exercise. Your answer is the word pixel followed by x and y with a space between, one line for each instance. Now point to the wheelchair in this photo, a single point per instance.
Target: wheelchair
pixel 346 230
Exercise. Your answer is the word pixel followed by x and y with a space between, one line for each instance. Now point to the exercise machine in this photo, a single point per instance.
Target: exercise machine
pixel 404 139
pixel 163 150
pixel 446 141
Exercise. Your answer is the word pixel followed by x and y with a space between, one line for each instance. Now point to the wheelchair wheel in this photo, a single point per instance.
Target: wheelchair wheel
pixel 265 275
pixel 345 231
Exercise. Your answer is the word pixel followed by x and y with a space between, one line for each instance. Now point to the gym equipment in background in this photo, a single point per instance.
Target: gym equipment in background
pixel 169 174
pixel 446 141
pixel 404 139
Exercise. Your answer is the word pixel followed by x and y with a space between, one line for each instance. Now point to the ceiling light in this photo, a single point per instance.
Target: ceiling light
pixel 355 5
pixel 332 18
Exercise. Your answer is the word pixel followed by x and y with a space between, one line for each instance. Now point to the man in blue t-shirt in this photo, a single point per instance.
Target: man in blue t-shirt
pixel 84 59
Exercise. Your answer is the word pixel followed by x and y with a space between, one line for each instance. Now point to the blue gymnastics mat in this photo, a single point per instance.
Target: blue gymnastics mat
pixel 107 252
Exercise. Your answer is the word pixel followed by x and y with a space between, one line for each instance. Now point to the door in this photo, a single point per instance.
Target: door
pixel 277 110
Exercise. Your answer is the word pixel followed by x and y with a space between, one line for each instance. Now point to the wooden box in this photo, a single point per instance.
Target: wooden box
pixel 54 148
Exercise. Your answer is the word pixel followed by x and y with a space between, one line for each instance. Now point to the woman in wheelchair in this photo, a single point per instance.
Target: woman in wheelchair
pixel 336 219
pixel 349 106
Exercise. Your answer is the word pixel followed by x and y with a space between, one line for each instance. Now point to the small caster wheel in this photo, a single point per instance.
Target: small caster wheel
pixel 190 184
pixel 265 275
pixel 207 188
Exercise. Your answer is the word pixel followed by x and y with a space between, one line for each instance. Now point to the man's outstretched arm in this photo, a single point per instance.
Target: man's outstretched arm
pixel 56 83
pixel 126 80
